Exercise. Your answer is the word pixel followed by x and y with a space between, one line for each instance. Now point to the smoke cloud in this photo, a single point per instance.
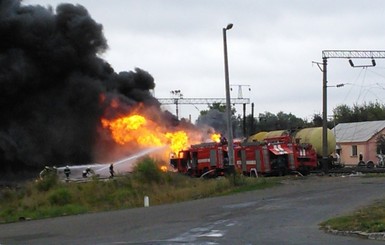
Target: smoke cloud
pixel 55 87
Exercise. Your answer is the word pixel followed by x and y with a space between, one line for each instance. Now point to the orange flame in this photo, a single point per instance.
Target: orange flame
pixel 163 168
pixel 144 132
pixel 134 128
pixel 179 140
pixel 216 137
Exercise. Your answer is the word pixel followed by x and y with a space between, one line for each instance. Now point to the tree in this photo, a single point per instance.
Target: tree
pixel 251 124
pixel 342 113
pixel 217 106
pixel 289 121
pixel 269 121
pixel 317 120
pixel 359 113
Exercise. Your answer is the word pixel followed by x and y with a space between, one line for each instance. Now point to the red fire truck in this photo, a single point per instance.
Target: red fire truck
pixel 273 156
pixel 209 159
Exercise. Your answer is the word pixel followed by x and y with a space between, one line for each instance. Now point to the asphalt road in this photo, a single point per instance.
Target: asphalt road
pixel 288 214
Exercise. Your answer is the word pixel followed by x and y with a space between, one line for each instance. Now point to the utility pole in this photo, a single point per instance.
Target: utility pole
pixel 228 105
pixel 325 165
pixel 339 54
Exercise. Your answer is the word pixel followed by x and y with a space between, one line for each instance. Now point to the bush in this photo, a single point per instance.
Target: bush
pixel 60 197
pixel 47 183
pixel 147 171
pixel 50 197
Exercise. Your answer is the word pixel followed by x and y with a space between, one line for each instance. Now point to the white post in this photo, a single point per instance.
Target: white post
pixel 146 201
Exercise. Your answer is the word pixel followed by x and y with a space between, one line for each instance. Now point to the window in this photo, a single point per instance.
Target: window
pixel 354 150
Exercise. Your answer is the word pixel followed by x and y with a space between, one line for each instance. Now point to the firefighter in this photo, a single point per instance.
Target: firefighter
pixel 46 171
pixel 67 172
pixel 88 171
pixel 111 170
pixel 338 158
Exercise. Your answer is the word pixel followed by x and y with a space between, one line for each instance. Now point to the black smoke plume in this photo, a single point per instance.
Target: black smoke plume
pixel 52 82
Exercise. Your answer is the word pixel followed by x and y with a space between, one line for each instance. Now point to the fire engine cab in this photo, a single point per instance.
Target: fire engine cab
pixel 202 159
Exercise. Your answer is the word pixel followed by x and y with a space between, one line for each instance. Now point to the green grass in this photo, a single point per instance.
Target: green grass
pixel 368 219
pixel 51 197
pixel 373 175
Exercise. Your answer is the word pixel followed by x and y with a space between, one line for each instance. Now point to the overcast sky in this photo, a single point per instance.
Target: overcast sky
pixel 270 48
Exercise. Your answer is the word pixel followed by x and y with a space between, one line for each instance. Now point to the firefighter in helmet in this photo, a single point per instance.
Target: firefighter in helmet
pixel 88 171
pixel 67 172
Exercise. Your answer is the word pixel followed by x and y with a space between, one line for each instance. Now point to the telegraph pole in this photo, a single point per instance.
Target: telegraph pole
pixel 228 105
pixel 339 54
pixel 325 164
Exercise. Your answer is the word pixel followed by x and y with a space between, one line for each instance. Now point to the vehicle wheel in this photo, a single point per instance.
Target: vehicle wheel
pixel 370 164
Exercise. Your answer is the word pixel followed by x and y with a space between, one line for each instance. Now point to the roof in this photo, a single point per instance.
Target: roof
pixel 357 131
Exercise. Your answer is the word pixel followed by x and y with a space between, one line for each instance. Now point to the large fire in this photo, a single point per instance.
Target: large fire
pixel 136 131
pixel 143 132
pixel 134 128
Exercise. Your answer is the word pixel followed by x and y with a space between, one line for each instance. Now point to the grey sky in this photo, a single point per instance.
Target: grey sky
pixel 271 48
